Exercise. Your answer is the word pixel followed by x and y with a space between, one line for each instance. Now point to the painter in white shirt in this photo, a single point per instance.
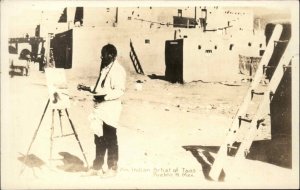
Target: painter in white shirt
pixel 109 111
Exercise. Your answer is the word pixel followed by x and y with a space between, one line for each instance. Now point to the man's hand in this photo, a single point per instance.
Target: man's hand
pixel 99 98
pixel 83 87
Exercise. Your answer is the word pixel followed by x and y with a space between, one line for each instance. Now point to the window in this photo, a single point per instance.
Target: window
pixel 147 41
pixel 199 46
pixel 185 36
pixel 230 47
pixel 179 12
pixel 249 44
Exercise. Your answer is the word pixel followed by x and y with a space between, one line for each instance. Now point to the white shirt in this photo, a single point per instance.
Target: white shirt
pixel 109 111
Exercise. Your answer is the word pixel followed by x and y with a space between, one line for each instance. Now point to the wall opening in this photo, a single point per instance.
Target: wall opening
pixel 179 12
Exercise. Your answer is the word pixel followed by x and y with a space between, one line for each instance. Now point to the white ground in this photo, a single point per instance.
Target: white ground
pixel 156 122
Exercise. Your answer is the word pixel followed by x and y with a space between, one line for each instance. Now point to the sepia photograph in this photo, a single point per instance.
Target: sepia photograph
pixel 149 94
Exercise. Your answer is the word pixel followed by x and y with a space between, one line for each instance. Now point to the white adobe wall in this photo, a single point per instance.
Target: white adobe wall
pixel 91 16
pixel 132 16
pixel 220 64
pixel 22 46
pixel 152 55
pixel 87 44
pixel 239 18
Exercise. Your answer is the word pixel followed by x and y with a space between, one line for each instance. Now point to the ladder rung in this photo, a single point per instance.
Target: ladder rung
pixel 286 67
pixel 233 147
pixel 267 67
pixel 281 41
pixel 246 152
pixel 259 121
pixel 244 119
pixel 256 93
pixel 271 95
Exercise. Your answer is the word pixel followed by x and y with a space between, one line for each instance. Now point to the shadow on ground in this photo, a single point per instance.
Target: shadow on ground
pixel 276 151
pixel 159 77
pixel 202 155
pixel 71 163
pixel 31 161
pixel 15 73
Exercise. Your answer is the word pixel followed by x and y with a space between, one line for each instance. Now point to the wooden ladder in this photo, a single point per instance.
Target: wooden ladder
pixel 286 61
pixel 136 63
pixel 232 134
pixel 268 94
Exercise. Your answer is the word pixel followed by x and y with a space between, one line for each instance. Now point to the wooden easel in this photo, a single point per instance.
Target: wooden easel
pixel 52 130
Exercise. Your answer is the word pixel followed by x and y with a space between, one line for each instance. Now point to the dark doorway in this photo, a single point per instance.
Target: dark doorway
pixel 62 49
pixel 174 60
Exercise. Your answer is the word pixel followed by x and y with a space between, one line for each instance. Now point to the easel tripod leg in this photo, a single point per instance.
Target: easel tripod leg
pixel 34 136
pixel 51 136
pixel 60 123
pixel 73 128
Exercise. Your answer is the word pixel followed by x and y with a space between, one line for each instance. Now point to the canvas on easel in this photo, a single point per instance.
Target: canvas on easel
pixel 58 88
pixel 58 100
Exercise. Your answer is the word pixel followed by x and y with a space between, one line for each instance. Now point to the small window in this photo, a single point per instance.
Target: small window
pixel 179 12
pixel 230 47
pixel 147 41
pixel 185 36
pixel 216 47
pixel 260 45
pixel 208 51
pixel 199 46
pixel 249 44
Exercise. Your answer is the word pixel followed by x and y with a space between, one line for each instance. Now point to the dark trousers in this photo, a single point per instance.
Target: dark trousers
pixel 107 142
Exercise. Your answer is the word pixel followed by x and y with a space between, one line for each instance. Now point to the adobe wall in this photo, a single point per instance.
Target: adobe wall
pixel 87 44
pixel 204 52
pixel 213 56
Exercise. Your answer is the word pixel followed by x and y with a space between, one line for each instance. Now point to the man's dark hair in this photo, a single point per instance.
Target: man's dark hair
pixel 110 49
